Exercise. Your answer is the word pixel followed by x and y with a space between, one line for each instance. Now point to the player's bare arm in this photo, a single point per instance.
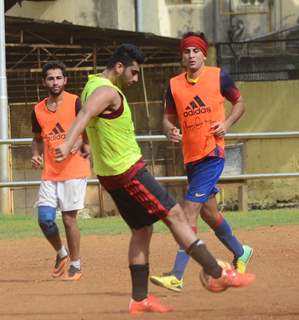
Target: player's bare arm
pixel 169 126
pixel 102 100
pixel 85 148
pixel 77 145
pixel 80 144
pixel 221 128
pixel 37 151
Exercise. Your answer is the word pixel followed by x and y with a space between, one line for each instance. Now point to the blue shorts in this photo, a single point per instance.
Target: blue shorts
pixel 203 177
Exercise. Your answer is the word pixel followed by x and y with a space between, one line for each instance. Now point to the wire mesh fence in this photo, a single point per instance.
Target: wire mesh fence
pixel 266 60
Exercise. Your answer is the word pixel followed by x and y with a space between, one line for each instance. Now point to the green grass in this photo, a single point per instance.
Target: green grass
pixel 20 227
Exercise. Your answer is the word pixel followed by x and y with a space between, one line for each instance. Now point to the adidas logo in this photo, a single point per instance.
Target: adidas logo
pixel 195 107
pixel 57 133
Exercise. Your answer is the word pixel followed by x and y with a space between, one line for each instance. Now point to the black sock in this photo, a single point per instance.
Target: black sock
pixel 139 277
pixel 199 252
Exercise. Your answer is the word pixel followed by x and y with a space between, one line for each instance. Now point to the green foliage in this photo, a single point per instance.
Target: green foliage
pixel 19 227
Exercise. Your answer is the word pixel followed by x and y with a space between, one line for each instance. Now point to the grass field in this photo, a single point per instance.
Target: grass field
pixel 20 227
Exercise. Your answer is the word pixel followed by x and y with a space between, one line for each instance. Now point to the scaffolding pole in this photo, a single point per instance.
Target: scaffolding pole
pixel 5 203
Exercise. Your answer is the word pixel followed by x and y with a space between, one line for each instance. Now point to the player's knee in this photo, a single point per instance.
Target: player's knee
pixel 176 215
pixel 49 228
pixel 46 220
pixel 144 233
pixel 205 214
pixel 192 208
pixel 69 219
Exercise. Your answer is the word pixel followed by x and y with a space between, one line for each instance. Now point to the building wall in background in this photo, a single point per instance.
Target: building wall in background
pixel 95 13
pixel 289 15
pixel 270 106
pixel 221 20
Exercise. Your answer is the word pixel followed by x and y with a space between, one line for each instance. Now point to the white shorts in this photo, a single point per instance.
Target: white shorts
pixel 68 195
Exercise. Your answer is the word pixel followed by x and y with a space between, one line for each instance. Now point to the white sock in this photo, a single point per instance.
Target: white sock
pixel 62 252
pixel 76 264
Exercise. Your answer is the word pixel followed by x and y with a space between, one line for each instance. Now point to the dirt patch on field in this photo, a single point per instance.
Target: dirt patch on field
pixel 28 292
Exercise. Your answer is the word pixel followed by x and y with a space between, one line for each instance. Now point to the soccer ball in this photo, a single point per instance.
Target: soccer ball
pixel 207 280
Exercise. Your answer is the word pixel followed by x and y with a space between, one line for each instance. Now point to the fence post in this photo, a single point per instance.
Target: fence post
pixel 5 203
pixel 243 197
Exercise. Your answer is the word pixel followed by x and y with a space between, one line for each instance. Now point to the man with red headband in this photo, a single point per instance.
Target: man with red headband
pixel 195 99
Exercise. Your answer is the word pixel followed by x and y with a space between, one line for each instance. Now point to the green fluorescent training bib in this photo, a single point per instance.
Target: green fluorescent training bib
pixel 113 142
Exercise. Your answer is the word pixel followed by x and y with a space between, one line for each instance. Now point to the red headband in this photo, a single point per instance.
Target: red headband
pixel 194 41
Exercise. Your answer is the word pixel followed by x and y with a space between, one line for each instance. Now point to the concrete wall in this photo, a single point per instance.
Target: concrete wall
pixel 97 13
pixel 289 13
pixel 271 106
pixel 170 17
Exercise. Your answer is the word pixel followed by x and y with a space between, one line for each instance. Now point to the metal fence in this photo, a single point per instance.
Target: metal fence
pixel 160 138
pixel 238 179
pixel 265 60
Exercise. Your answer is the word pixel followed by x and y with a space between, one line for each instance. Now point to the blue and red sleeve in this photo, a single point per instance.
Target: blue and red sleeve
pixel 228 87
pixel 169 102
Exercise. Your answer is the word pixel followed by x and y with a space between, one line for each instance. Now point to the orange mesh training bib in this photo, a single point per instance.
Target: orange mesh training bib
pixel 54 127
pixel 198 106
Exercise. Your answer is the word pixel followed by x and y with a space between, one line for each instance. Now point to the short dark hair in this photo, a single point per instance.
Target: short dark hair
pixel 195 34
pixel 126 54
pixel 53 65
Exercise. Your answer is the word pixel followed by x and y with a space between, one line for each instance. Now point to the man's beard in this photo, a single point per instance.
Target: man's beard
pixel 55 93
pixel 120 83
